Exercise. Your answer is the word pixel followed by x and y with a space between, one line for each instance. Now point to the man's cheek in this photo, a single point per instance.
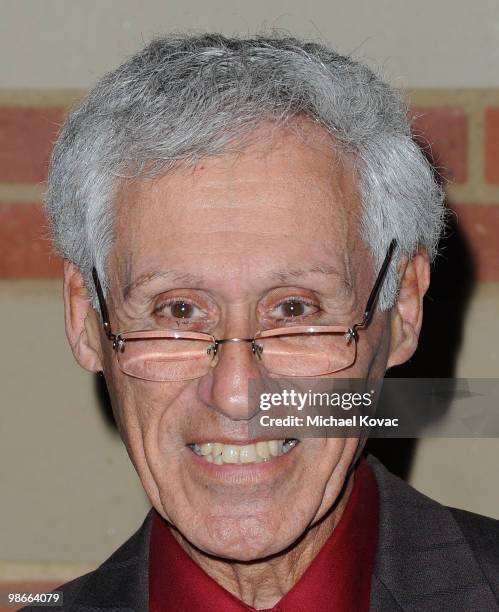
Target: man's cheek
pixel 321 458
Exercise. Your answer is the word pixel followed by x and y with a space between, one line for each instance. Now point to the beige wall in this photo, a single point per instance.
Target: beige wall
pixel 69 492
pixel 432 43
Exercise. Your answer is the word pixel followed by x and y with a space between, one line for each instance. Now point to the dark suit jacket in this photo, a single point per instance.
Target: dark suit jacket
pixel 429 558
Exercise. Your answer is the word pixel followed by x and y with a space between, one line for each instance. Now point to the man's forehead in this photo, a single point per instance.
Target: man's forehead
pixel 297 206
pixel 283 157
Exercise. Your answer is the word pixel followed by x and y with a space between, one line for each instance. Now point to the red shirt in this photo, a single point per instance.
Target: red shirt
pixel 338 579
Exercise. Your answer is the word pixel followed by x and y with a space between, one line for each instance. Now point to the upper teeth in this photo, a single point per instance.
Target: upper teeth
pixel 218 453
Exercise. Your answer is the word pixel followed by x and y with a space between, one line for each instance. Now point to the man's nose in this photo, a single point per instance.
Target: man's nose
pixel 226 387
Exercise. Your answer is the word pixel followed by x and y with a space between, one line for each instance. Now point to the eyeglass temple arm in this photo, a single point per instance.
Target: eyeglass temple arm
pixel 371 302
pixel 103 306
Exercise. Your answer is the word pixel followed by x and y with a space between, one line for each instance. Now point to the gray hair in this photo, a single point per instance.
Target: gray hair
pixel 183 98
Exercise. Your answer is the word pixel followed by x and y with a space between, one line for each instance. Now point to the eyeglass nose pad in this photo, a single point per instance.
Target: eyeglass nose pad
pixel 214 361
pixel 257 350
pixel 213 350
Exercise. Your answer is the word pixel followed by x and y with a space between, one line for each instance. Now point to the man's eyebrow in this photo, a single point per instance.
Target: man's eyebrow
pixel 288 274
pixel 284 275
pixel 173 276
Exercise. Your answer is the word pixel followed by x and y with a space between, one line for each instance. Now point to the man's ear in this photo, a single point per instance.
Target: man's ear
pixel 81 321
pixel 407 313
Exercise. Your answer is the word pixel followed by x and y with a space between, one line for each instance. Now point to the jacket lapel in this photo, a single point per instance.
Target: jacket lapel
pixel 423 561
pixel 121 583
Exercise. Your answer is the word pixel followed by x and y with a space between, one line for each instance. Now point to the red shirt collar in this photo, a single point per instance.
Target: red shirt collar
pixel 339 577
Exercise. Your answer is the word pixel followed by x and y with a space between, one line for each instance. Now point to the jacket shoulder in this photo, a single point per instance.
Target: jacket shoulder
pixel 431 557
pixel 482 535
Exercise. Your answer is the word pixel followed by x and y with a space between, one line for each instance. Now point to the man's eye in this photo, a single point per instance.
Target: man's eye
pixel 179 309
pixel 182 310
pixel 296 308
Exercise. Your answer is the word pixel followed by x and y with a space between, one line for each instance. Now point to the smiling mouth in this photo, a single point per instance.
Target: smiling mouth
pixel 260 452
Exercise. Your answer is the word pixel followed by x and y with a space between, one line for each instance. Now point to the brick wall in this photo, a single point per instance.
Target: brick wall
pixel 459 129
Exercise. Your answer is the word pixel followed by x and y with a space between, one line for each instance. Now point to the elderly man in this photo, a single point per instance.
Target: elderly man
pixel 212 197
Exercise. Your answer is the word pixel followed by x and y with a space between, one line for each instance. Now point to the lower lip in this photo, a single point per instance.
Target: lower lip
pixel 242 471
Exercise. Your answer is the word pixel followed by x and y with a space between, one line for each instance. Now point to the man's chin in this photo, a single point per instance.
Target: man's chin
pixel 248 539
